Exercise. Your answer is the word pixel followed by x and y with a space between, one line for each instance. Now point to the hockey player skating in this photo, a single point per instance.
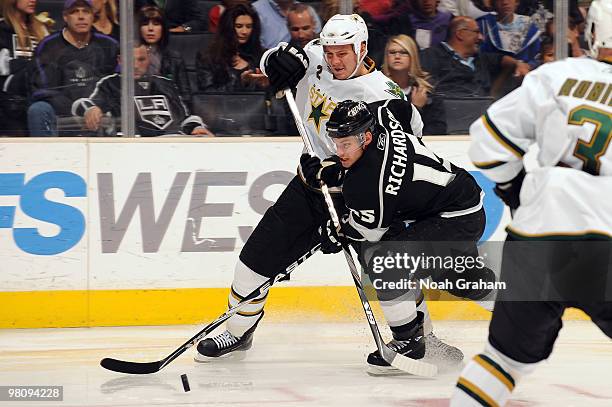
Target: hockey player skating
pixel 289 229
pixel 397 190
pixel 564 108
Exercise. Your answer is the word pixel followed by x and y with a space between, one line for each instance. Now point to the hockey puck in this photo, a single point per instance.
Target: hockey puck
pixel 185 382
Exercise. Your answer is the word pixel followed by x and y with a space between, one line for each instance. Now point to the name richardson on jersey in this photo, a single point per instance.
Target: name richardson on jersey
pixel 599 92
pixel 399 158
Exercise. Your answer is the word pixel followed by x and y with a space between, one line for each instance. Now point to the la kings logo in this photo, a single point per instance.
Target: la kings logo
pixel 382 142
pixel 154 110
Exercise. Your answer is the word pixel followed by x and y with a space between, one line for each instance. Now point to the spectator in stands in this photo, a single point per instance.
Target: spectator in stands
pixel 301 21
pixel 384 20
pixel 459 69
pixel 429 24
pixel 467 8
pixel 509 33
pixel 215 12
pixel 547 50
pixel 163 61
pixel 231 63
pixel 273 17
pixel 68 65
pixel 403 66
pixel 20 32
pixel 574 49
pixel 106 20
pixel 181 15
pixel 328 9
pixel 159 109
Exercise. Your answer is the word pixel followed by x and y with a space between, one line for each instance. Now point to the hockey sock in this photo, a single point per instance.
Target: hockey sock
pixel 245 281
pixel 399 311
pixel 488 379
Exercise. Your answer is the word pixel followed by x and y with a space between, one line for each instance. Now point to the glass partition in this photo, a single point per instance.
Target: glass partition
pixel 195 65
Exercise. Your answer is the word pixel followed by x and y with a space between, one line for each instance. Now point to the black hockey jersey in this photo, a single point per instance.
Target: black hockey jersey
pixel 398 179
pixel 65 73
pixel 159 108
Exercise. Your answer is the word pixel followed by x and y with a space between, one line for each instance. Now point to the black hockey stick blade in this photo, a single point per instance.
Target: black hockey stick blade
pixel 122 366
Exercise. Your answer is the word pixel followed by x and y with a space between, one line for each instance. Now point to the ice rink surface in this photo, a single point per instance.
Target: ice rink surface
pixel 289 365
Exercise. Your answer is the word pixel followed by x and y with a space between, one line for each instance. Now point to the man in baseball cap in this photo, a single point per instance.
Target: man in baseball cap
pixel 68 65
pixel 69 4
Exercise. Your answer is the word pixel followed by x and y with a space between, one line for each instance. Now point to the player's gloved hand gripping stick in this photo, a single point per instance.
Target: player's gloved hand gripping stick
pixel 123 366
pixel 395 359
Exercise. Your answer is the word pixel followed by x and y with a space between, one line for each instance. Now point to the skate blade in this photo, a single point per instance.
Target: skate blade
pixel 235 356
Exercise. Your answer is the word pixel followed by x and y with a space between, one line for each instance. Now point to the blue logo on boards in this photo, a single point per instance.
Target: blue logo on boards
pixel 494 207
pixel 33 203
pixel 72 223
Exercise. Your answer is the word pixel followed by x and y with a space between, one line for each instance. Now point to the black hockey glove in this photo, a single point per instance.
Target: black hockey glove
pixel 286 67
pixel 329 170
pixel 330 238
pixel 509 192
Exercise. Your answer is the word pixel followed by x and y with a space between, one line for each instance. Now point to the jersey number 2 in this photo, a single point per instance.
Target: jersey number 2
pixel 590 152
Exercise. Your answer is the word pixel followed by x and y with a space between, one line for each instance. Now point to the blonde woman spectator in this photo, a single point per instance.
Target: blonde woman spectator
pixel 20 32
pixel 106 19
pixel 401 63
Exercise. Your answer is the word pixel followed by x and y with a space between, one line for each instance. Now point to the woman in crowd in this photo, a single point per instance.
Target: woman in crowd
pixel 163 61
pixel 106 20
pixel 230 64
pixel 401 63
pixel 20 32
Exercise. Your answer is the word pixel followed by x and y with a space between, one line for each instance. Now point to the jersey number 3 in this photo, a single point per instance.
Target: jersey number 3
pixel 590 152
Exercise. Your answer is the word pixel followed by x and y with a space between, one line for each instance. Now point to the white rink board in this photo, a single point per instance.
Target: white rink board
pixel 150 248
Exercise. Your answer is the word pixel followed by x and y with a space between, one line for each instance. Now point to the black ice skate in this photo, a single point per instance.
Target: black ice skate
pixel 226 344
pixel 411 344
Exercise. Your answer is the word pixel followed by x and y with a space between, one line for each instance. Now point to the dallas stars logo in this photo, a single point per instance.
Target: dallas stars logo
pixel 395 90
pixel 317 114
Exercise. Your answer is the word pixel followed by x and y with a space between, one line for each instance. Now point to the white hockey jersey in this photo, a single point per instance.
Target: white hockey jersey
pixel 565 108
pixel 318 93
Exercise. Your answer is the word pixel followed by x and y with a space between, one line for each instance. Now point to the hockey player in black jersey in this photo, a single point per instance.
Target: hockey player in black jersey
pixel 159 108
pixel 397 190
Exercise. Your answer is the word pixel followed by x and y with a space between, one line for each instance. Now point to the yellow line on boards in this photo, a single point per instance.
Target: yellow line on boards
pixel 40 309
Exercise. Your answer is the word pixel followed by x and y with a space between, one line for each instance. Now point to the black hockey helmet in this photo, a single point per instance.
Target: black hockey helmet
pixel 349 118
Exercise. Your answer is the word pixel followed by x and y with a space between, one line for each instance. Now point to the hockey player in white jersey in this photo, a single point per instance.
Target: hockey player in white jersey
pixel 329 70
pixel 564 108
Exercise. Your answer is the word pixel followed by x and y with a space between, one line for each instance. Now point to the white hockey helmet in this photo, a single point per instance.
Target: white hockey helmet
pixel 598 31
pixel 346 29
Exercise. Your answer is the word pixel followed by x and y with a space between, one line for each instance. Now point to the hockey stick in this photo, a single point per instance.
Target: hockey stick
pixel 395 359
pixel 123 366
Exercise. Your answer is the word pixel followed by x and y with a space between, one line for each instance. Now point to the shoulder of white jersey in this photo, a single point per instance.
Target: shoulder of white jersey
pixel 314 50
pixel 566 65
pixel 377 86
